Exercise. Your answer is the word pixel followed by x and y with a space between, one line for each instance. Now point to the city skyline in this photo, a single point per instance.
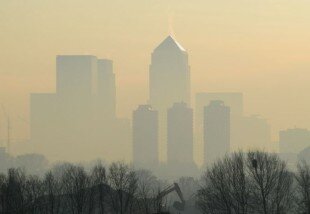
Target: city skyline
pixel 105 73
pixel 81 114
pixel 169 83
pixel 100 84
pixel 154 106
pixel 259 50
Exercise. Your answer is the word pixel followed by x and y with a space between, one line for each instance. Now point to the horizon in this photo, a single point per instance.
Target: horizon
pixel 256 48
pixel 154 106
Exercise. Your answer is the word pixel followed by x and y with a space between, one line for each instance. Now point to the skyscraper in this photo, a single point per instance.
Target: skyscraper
pixel 180 134
pixel 74 75
pixel 106 87
pixel 235 102
pixel 216 131
pixel 81 114
pixel 145 137
pixel 169 80
pixel 169 75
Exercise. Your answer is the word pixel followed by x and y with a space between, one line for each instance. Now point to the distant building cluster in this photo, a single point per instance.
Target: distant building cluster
pixel 80 121
pixel 215 127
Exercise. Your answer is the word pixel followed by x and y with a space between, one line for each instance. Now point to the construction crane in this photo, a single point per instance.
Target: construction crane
pixel 178 205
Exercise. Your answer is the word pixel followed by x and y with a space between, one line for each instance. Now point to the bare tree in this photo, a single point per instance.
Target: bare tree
pixel 238 182
pixel 33 194
pixel 123 186
pixel 52 193
pixel 225 188
pixel 216 186
pixel 303 187
pixel 100 187
pixel 258 183
pixel 76 182
pixel 2 192
pixel 147 188
pixel 271 183
pixel 15 201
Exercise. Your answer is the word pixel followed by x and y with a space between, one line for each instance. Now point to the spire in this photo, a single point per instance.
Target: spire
pixel 170 44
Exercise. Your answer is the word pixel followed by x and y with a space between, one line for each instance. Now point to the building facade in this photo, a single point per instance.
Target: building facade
pixel 232 99
pixel 216 131
pixel 78 122
pixel 169 82
pixel 145 137
pixel 180 134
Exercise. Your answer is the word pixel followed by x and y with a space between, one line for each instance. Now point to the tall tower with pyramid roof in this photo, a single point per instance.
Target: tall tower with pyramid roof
pixel 169 75
pixel 169 82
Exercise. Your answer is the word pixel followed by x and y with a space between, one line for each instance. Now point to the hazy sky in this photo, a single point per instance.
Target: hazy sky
pixel 259 47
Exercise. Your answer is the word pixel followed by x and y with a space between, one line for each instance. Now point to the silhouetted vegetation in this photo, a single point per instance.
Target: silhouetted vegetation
pixel 69 188
pixel 255 182
pixel 239 183
pixel 303 187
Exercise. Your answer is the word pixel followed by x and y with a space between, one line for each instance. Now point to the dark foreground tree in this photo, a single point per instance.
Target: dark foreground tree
pixel 52 190
pixel 254 183
pixel 271 184
pixel 226 187
pixel 123 182
pixel 99 188
pixel 15 200
pixel 303 187
pixel 2 192
pixel 76 184
pixel 147 187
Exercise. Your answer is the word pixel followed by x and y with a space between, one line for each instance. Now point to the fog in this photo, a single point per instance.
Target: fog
pixel 254 51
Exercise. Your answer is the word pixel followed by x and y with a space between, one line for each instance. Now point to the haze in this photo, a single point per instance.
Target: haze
pixel 260 48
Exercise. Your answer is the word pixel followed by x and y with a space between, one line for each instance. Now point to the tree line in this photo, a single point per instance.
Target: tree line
pixel 255 182
pixel 69 188
pixel 239 183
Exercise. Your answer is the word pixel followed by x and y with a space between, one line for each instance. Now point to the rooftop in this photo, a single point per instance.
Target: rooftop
pixel 170 44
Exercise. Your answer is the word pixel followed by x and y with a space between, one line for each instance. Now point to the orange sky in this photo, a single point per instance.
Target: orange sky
pixel 260 48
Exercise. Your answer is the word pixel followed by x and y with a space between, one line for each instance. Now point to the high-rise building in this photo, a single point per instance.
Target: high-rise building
pixel 169 75
pixel 78 122
pixel 74 75
pixel 145 137
pixel 293 141
pixel 106 87
pixel 216 131
pixel 169 80
pixel 180 142
pixel 235 102
pixel 180 134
